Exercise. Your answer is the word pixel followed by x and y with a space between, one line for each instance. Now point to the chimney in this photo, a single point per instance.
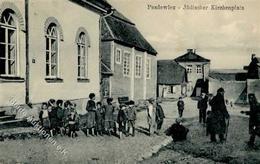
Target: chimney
pixel 190 50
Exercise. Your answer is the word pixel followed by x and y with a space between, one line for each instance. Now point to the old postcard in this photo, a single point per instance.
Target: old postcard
pixel 130 81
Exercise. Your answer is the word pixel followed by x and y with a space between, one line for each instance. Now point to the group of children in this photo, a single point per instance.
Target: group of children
pixel 57 117
pixel 109 118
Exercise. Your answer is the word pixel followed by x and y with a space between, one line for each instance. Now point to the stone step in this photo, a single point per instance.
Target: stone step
pixel 14 123
pixel 2 113
pixel 6 118
pixel 18 133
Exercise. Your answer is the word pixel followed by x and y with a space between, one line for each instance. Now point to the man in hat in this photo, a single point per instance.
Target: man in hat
pixel 202 106
pixel 219 115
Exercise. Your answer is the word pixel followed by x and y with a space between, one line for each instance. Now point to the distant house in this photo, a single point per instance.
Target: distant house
pixel 171 79
pixel 233 81
pixel 197 68
pixel 129 61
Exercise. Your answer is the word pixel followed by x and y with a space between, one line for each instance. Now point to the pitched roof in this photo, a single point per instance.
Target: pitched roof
pixel 191 56
pixel 100 5
pixel 228 75
pixel 170 73
pixel 120 29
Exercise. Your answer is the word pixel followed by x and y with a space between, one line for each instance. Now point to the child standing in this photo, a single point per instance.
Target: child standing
pixel 180 105
pixel 109 121
pixel 159 116
pixel 91 115
pixel 60 115
pixel 44 117
pixel 121 119
pixel 72 124
pixel 131 117
pixel 99 119
pixel 53 116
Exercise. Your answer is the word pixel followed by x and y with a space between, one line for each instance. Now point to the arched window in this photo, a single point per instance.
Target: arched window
pixel 52 50
pixel 8 43
pixel 82 55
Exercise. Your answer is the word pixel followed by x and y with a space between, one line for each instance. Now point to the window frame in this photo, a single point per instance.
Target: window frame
pixel 120 56
pixel 189 68
pixel 49 51
pixel 129 64
pixel 82 45
pixel 138 57
pixel 199 69
pixel 148 68
pixel 7 27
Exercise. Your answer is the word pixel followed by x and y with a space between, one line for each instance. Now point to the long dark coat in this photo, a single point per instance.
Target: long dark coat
pixel 203 104
pixel 159 116
pixel 218 115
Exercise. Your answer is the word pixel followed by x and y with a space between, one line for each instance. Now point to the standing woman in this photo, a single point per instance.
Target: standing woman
pixel 91 116
pixel 151 116
pixel 219 115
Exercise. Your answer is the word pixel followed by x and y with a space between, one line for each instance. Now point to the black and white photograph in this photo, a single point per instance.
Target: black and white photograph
pixel 129 81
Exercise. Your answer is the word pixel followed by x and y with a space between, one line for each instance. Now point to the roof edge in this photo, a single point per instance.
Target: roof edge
pixel 130 45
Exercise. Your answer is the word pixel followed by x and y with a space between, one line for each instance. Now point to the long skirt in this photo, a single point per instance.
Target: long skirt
pixel 91 119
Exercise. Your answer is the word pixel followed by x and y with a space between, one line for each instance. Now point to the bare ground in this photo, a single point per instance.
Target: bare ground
pixel 198 149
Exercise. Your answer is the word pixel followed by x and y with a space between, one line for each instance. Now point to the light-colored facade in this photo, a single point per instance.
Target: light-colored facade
pixel 63 51
pixel 196 66
pixel 195 71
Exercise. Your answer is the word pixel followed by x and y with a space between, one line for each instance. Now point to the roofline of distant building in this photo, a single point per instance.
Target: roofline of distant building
pixel 129 45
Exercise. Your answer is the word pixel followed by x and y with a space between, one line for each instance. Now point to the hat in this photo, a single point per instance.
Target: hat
pixel 220 90
pixel 131 102
pixel 151 99
pixel 109 99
